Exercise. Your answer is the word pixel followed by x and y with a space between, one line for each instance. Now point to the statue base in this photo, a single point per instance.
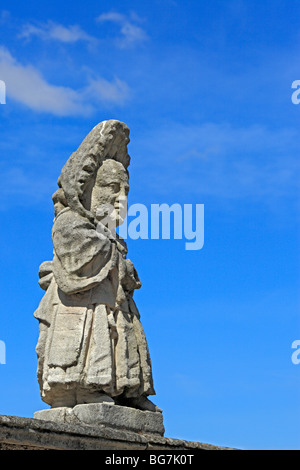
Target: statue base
pixel 18 433
pixel 106 414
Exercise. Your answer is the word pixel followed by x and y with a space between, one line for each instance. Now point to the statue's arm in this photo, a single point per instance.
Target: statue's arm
pixel 81 257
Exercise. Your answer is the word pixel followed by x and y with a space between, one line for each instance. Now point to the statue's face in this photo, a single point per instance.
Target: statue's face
pixel 109 194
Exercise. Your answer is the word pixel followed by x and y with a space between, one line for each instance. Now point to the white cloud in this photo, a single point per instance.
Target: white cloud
pixel 26 85
pixel 223 160
pixel 116 91
pixel 131 33
pixel 57 32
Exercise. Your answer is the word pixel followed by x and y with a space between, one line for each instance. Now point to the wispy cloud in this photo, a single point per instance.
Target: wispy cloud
pixel 219 159
pixel 21 182
pixel 53 31
pixel 24 186
pixel 131 33
pixel 26 85
pixel 4 16
pixel 116 91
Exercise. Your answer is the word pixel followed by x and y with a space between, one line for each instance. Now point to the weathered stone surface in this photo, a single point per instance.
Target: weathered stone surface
pixel 91 341
pixel 116 417
pixel 59 414
pixel 27 433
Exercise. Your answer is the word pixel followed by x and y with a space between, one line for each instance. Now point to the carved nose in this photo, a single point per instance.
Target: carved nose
pixel 122 198
pixel 121 206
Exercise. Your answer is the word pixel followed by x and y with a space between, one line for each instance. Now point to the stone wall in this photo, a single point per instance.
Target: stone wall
pixel 17 433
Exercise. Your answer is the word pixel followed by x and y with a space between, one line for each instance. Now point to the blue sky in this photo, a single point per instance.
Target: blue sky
pixel 205 88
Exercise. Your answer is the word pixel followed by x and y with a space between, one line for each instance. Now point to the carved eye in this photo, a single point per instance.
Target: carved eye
pixel 115 187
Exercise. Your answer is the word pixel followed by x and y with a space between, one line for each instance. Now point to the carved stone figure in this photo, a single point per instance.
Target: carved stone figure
pixel 92 347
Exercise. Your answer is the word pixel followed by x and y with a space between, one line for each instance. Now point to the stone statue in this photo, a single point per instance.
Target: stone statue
pixel 92 347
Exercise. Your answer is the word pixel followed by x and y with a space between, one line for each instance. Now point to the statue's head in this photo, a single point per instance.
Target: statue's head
pixel 96 176
pixel 109 194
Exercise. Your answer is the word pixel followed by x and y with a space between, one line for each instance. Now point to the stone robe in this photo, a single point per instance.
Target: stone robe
pixel 91 337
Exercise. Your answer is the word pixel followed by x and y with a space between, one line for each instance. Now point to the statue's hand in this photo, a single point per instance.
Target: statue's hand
pixel 45 274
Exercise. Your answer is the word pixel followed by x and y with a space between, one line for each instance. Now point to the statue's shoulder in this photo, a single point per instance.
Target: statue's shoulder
pixel 65 214
pixel 68 218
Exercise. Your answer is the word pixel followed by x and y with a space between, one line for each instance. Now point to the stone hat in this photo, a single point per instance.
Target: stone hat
pixel 108 139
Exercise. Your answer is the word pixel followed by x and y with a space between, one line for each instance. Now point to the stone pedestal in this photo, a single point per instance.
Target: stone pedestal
pixel 18 433
pixel 116 417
